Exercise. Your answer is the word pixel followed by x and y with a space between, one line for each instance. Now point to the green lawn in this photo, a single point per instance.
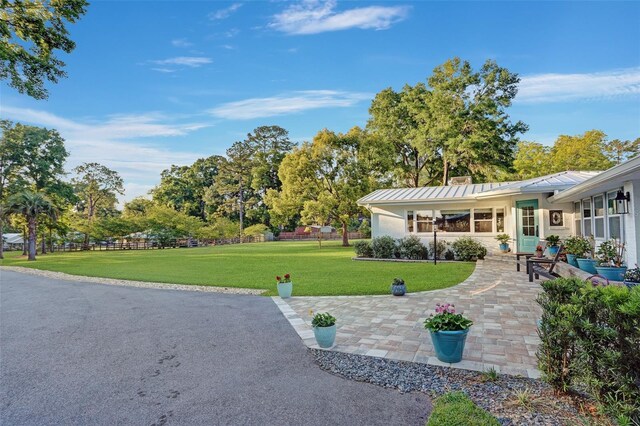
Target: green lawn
pixel 315 271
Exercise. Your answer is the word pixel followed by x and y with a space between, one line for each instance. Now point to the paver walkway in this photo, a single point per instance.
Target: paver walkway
pixel 499 300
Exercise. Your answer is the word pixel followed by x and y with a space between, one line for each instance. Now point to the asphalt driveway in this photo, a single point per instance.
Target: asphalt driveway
pixel 79 353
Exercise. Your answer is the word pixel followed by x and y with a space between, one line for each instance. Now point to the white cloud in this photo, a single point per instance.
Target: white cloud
pixel 224 13
pixel 317 16
pixel 109 142
pixel 181 42
pixel 542 88
pixel 188 61
pixel 288 104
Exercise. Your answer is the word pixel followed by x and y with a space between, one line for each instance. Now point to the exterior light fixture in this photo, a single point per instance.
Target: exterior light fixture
pixel 622 202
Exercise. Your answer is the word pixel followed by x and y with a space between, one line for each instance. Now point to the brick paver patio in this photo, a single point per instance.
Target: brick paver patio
pixel 499 300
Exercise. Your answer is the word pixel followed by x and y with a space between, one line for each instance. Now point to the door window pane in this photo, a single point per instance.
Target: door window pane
pixel 410 221
pixel 453 220
pixel 483 220
pixel 500 220
pixel 424 221
pixel 528 221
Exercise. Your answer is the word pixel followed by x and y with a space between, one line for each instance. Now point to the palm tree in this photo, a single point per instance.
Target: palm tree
pixel 31 205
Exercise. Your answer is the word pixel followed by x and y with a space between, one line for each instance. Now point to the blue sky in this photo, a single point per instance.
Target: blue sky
pixel 155 83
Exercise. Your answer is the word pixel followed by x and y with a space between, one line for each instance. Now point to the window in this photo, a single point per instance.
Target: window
pixel 410 221
pixel 598 213
pixel 483 220
pixel 614 219
pixel 499 220
pixel 586 214
pixel 528 221
pixel 577 218
pixel 424 221
pixel 453 220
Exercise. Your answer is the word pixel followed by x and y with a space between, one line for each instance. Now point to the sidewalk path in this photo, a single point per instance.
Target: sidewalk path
pixel 499 300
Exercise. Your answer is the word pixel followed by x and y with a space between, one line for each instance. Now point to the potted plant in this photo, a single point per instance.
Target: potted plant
pixel 448 332
pixel 611 260
pixel 398 288
pixel 285 286
pixel 553 244
pixel 539 251
pixel 586 262
pixel 577 247
pixel 324 329
pixel 632 277
pixel 504 242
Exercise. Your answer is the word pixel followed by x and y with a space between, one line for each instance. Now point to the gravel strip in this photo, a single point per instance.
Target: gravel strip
pixel 128 283
pixel 499 397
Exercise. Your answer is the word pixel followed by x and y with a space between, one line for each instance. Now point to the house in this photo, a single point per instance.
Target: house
pixel 565 203
pixel 13 241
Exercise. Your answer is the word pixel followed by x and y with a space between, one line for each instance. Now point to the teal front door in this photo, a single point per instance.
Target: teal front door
pixel 528 226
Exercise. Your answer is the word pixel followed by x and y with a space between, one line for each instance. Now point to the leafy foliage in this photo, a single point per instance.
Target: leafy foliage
pixel 578 246
pixel 503 238
pixel 439 250
pixel 31 30
pixel 365 229
pixel 553 240
pixel 446 319
pixel 456 408
pixel 363 248
pixel 410 247
pixel 466 248
pixel 590 336
pixel 323 320
pixel 611 253
pixel 383 247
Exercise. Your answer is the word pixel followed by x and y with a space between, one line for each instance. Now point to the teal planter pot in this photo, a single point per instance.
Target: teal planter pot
pixel 284 290
pixel 571 260
pixel 553 250
pixel 587 265
pixel 612 273
pixel 325 336
pixel 398 289
pixel 449 345
pixel 504 247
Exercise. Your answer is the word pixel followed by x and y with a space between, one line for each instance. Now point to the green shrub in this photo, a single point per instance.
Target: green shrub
pixel 440 249
pixel 590 336
pixel 323 320
pixel 466 248
pixel 383 247
pixel 456 409
pixel 411 248
pixel 363 248
pixel 578 246
pixel 365 229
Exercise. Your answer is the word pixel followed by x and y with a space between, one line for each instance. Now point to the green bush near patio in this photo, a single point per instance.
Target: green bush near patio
pixel 456 409
pixel 314 271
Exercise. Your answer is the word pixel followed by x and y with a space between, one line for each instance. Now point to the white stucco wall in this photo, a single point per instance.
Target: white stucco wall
pixel 632 223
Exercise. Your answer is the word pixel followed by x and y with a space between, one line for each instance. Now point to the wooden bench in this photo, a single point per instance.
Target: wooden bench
pixel 535 266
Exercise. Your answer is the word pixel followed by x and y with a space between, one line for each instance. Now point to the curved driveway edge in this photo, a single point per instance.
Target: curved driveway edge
pixel 79 354
pixel 499 300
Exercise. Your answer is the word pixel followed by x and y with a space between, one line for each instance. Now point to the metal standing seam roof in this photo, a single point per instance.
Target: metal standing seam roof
pixel 548 183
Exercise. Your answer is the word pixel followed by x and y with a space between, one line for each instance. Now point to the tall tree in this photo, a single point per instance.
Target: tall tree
pixel 12 159
pixel 97 187
pixel 621 151
pixel 580 152
pixel 31 205
pixel 324 179
pixel 30 33
pixel 532 160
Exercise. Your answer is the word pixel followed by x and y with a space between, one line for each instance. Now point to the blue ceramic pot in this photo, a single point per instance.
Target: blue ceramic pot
pixel 571 260
pixel 504 247
pixel 612 273
pixel 587 265
pixel 553 250
pixel 449 345
pixel 325 336
pixel 284 290
pixel 398 289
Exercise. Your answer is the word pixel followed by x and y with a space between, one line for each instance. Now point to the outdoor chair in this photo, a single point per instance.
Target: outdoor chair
pixel 527 255
pixel 535 266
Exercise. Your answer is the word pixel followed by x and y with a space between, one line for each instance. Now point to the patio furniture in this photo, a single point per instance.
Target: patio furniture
pixel 534 266
pixel 520 254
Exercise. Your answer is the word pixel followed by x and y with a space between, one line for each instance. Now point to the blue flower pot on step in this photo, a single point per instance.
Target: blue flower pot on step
pixel 587 265
pixel 449 345
pixel 571 260
pixel 504 247
pixel 325 336
pixel 612 273
pixel 284 290
pixel 553 250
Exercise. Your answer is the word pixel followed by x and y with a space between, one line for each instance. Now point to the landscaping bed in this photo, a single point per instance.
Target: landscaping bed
pixel 512 400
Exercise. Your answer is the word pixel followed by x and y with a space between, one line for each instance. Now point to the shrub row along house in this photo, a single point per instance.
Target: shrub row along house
pixel 604 205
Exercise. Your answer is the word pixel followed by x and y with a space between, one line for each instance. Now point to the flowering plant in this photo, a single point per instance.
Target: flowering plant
pixel 633 275
pixel 446 319
pixel 539 248
pixel 282 280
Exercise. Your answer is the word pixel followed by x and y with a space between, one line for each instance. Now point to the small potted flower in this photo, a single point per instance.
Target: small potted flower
pixel 610 254
pixel 503 239
pixel 285 286
pixel 398 287
pixel 553 242
pixel 448 332
pixel 632 277
pixel 324 329
pixel 577 248
pixel 539 251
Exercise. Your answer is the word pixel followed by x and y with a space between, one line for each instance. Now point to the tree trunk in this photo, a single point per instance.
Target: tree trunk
pixel 24 242
pixel 44 243
pixel 241 201
pixel 32 238
pixel 345 235
pixel 1 239
pixel 445 174
pixel 50 240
